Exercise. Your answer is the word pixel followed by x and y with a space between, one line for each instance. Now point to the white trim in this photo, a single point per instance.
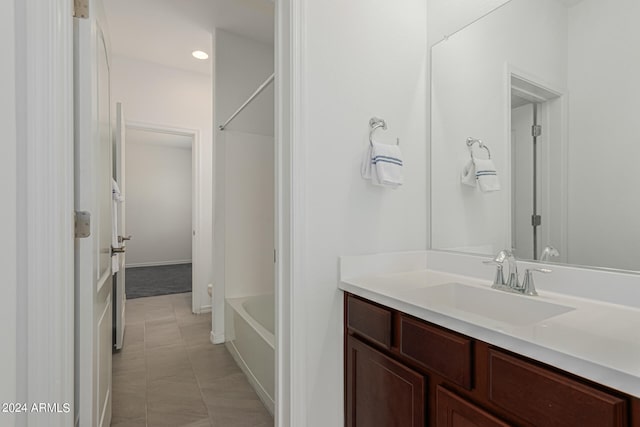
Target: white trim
pixel 216 338
pixel 8 212
pixel 103 407
pixel 105 280
pixel 158 263
pixel 198 213
pixel 154 127
pixel 46 205
pixel 291 392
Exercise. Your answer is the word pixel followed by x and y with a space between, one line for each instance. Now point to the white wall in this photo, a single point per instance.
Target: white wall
pixel 244 202
pixel 8 209
pixel 359 60
pixel 159 202
pixel 470 98
pixel 445 17
pixel 174 98
pixel 241 65
pixel 604 146
pixel 249 214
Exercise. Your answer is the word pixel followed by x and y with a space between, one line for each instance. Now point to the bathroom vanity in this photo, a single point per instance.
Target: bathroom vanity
pixel 416 355
pixel 401 370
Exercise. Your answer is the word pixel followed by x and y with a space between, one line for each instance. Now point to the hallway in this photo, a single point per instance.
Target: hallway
pixel 169 373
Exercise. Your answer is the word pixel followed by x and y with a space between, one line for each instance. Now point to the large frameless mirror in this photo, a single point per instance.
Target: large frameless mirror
pixel 551 89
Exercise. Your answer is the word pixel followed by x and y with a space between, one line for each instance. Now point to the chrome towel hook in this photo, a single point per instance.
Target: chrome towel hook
pixel 471 141
pixel 375 123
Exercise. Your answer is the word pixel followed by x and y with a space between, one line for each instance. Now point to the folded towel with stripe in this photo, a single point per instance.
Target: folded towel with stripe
pixel 486 175
pixel 468 175
pixel 382 164
pixel 480 172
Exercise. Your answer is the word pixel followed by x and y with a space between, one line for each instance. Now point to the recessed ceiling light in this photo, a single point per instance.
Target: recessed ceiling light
pixel 199 54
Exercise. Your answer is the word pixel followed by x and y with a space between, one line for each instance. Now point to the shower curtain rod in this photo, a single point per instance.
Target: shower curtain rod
pixel 248 101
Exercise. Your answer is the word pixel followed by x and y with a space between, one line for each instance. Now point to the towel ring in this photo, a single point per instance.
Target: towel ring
pixel 471 141
pixel 376 123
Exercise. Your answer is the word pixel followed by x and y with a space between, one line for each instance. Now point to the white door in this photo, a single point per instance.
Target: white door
pixel 522 180
pixel 122 238
pixel 93 172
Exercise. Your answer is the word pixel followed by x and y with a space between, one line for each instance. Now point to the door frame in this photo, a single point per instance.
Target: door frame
pixel 8 212
pixel 198 287
pixel 554 114
pixel 290 218
pixel 45 207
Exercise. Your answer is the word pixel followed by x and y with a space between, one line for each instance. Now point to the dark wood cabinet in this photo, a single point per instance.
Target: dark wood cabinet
pixel 546 398
pixel 380 391
pixel 405 372
pixel 369 321
pixel 454 411
pixel 437 350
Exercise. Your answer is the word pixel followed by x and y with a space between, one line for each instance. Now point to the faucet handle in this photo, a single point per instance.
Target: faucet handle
pixel 528 287
pixel 498 280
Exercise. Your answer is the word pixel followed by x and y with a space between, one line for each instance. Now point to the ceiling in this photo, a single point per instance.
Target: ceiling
pixel 167 31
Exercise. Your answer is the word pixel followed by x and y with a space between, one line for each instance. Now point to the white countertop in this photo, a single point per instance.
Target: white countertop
pixel 598 341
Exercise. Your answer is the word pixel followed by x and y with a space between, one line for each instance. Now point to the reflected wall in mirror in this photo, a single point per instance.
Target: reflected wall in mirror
pixel 573 68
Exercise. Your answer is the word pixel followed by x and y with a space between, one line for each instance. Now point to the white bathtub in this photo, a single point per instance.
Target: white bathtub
pixel 249 324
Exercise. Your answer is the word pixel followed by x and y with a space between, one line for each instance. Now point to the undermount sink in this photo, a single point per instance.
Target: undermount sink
pixel 488 303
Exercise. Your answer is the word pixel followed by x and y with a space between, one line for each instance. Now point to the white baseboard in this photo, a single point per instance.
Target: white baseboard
pixel 216 339
pixel 157 263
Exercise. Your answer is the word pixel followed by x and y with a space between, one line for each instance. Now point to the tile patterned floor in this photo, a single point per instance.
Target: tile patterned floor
pixel 169 374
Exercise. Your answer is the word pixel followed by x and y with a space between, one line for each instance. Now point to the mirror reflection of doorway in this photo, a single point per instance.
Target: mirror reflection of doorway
pixel 534 123
pixel 159 213
pixel 524 155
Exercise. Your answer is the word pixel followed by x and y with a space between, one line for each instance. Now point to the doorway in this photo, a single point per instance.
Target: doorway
pixel 536 145
pixel 162 211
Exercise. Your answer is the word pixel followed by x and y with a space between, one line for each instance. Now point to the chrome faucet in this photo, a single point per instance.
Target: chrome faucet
pixel 547 253
pixel 498 280
pixel 513 281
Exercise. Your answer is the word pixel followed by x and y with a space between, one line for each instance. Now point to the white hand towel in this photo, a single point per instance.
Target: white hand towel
pixel 365 166
pixel 468 175
pixel 487 175
pixel 369 168
pixel 387 161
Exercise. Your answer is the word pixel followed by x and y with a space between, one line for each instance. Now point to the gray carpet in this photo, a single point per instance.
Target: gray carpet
pixel 160 280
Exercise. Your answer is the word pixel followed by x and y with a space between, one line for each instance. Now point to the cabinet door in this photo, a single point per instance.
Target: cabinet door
pixel 380 391
pixel 454 411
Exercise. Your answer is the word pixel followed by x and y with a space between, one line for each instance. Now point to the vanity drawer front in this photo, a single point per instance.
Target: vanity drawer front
pixel 443 352
pixel 546 398
pixel 369 320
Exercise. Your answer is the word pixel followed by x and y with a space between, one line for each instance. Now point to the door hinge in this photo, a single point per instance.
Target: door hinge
pixel 80 8
pixel 536 130
pixel 536 220
pixel 274 256
pixel 82 224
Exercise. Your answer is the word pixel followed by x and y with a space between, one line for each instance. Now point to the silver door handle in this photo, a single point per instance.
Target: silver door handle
pixel 118 250
pixel 124 239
